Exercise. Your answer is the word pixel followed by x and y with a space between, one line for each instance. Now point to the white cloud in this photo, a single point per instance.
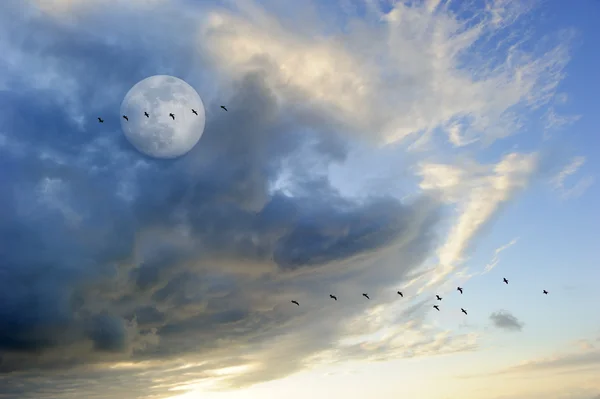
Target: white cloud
pixel 579 188
pixel 568 170
pixel 418 68
pixel 477 191
pixel 496 257
pixel 553 120
pixel 376 335
pixel 455 136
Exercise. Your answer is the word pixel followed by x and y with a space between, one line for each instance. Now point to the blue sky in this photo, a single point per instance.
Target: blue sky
pixel 368 147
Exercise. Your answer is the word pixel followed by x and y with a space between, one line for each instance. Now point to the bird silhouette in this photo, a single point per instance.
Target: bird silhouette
pixel 147 116
pixel 222 106
pixel 505 280
pixel 125 117
pixel 194 111
pixel 545 292
pixel 296 302
pixel 436 307
pixel 464 311
pixel 172 116
pixel 333 297
pixel 439 298
pixel 366 296
pixel 399 293
pixel 459 289
pixel 100 120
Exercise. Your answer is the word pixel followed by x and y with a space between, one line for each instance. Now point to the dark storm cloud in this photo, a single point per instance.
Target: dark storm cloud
pixel 108 256
pixel 506 321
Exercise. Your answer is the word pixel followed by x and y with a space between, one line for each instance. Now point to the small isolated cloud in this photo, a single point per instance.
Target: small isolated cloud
pixel 506 321
pixel 579 188
pixel 496 258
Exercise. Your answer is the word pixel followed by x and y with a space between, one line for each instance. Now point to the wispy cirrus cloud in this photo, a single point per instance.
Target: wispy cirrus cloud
pixel 577 189
pixel 496 258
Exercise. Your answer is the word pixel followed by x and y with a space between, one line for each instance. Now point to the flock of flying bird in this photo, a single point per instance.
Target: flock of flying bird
pixel 439 298
pixel 436 307
pixel 147 115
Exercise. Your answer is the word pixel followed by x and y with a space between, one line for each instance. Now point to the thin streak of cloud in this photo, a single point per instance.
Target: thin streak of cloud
pixel 579 188
pixel 554 121
pixel 496 258
pixel 561 361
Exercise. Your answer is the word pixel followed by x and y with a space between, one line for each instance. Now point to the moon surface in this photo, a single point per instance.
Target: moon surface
pixel 159 136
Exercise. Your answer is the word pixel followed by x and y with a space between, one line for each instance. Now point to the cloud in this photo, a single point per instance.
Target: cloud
pixel 573 372
pixel 579 188
pixel 506 321
pixel 576 360
pixel 555 121
pixel 120 272
pixel 393 95
pixel 496 259
pixel 585 344
pixel 478 191
pixel 195 272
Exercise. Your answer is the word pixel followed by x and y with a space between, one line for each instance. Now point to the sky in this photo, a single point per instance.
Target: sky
pixel 368 147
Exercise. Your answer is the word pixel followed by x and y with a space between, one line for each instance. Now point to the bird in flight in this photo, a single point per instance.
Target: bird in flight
pixel 545 292
pixel 296 302
pixel 399 293
pixel 439 298
pixel 147 116
pixel 222 106
pixel 436 307
pixel 464 311
pixel 125 117
pixel 100 120
pixel 194 111
pixel 366 296
pixel 333 297
pixel 459 289
pixel 505 280
pixel 172 116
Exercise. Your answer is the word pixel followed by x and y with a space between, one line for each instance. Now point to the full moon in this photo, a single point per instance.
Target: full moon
pixel 158 135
